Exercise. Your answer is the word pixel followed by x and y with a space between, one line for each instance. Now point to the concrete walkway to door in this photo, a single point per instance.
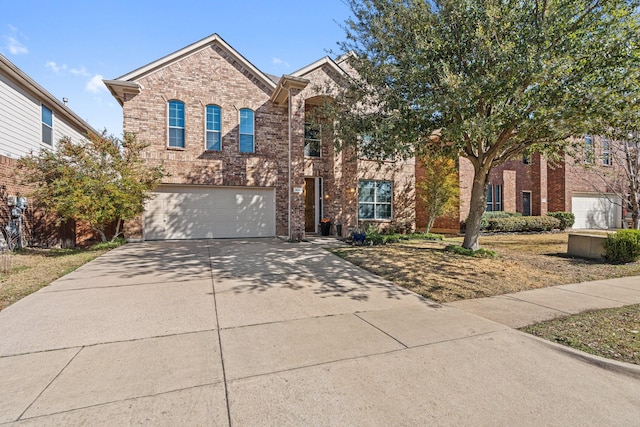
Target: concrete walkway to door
pixel 263 332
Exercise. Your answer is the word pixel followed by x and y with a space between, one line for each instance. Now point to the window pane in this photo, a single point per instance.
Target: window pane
pixel 366 191
pixel 365 211
pixel 246 143
pixel 312 148
pixel 213 140
pixel 213 117
pixel 246 121
pixel 47 134
pixel 176 137
pixel 383 211
pixel 383 192
pixel 47 116
pixel 176 114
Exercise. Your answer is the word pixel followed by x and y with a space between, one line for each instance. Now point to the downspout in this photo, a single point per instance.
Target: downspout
pixel 289 164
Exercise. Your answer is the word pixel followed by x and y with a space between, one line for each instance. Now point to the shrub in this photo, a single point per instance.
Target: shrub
pixel 567 219
pixel 523 223
pixel 480 253
pixel 484 222
pixel 376 237
pixel 623 246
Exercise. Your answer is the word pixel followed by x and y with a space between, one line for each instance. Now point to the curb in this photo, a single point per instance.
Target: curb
pixel 624 368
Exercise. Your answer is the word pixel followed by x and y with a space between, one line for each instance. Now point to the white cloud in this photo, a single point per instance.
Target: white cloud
pixel 80 72
pixel 278 61
pixel 55 67
pixel 95 85
pixel 15 46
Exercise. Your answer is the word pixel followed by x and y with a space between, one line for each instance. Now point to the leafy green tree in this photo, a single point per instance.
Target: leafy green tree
pixel 101 180
pixel 483 79
pixel 438 187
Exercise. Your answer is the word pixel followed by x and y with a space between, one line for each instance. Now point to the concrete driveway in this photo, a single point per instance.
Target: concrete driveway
pixel 263 332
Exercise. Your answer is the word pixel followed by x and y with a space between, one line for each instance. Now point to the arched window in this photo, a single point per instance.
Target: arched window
pixel 176 124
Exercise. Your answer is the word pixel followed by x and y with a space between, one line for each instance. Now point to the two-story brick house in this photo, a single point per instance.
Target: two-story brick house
pixel 245 158
pixel 589 182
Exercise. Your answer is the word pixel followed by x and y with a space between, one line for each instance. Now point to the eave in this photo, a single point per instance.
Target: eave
pixel 122 90
pixel 285 84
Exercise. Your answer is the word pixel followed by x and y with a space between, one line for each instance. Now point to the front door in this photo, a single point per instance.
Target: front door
pixel 312 204
pixel 526 203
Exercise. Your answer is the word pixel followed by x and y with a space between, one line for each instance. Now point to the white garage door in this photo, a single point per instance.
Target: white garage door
pixel 596 210
pixel 188 212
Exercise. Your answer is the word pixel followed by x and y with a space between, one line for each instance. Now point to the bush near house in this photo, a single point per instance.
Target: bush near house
pixel 484 223
pixel 567 219
pixel 376 237
pixel 623 246
pixel 523 223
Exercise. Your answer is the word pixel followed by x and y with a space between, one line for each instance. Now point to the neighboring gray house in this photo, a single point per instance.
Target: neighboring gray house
pixel 31 119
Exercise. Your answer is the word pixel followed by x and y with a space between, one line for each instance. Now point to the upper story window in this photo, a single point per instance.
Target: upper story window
pixel 176 124
pixel 494 198
pixel 247 131
pixel 374 199
pixel 214 127
pixel 606 152
pixel 312 140
pixel 589 152
pixel 47 126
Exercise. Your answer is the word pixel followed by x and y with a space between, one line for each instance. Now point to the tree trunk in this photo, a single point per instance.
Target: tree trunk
pixel 478 205
pixel 430 222
pixel 103 237
pixel 117 232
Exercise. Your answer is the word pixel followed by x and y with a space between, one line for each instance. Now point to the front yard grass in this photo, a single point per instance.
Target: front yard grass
pixel 612 333
pixel 31 269
pixel 525 261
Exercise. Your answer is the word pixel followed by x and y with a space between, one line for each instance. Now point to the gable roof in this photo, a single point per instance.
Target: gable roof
pixel 126 83
pixel 14 73
pixel 317 64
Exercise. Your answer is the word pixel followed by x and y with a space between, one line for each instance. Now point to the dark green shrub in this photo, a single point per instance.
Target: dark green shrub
pixel 523 223
pixel 567 219
pixel 623 246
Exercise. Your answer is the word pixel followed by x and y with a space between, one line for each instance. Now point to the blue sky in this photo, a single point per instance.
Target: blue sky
pixel 68 47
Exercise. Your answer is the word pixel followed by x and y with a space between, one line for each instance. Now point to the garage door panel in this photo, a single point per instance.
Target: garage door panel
pixel 210 212
pixel 596 211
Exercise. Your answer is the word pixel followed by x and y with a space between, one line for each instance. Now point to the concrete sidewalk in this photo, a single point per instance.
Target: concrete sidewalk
pixel 526 308
pixel 263 332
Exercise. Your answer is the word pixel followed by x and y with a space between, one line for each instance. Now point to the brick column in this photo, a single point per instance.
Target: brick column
pixel 296 121
pixel 539 185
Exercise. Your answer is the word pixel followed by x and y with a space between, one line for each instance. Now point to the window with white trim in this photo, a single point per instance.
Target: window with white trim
pixel 589 152
pixel 47 126
pixel 247 131
pixel 375 199
pixel 312 140
pixel 606 152
pixel 176 124
pixel 213 138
